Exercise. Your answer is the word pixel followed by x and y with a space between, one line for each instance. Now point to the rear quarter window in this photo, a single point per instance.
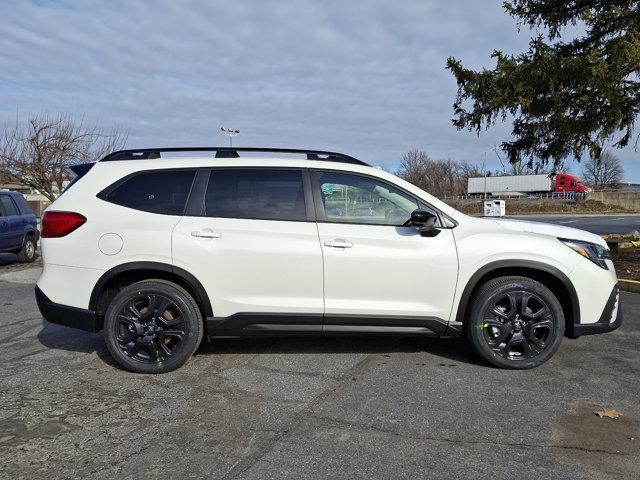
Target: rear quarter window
pixel 23 205
pixel 7 206
pixel 160 191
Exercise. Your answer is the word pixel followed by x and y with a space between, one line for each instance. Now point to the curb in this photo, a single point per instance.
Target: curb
pixel 629 285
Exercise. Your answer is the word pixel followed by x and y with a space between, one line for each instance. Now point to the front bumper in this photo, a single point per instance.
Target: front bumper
pixel 606 323
pixel 68 316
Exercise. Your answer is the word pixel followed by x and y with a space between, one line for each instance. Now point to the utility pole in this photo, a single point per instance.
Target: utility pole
pixel 493 149
pixel 230 132
pixel 484 166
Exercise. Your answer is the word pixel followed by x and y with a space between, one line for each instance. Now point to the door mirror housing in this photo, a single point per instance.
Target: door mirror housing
pixel 424 222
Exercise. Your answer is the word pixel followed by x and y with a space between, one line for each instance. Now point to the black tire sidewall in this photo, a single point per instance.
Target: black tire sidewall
pixel 487 294
pixel 193 326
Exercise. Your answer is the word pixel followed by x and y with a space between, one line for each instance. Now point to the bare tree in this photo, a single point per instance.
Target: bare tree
pixel 467 170
pixel 606 171
pixel 520 168
pixel 39 152
pixel 414 168
pixel 438 177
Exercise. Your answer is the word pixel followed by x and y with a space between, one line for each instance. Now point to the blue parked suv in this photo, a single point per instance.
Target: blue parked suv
pixel 18 227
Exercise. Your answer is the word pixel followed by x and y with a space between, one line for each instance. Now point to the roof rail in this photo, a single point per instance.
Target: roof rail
pixel 229 152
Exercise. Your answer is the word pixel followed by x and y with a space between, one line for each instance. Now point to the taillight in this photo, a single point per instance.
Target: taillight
pixel 58 224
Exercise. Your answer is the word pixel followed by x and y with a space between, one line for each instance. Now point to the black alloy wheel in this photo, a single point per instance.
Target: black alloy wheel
pixel 518 325
pixel 153 326
pixel 515 322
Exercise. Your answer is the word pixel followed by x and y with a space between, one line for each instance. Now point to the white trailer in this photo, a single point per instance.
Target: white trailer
pixel 511 184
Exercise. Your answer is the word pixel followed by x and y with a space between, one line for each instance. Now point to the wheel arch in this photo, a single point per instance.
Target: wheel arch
pixel 29 232
pixel 126 274
pixel 550 276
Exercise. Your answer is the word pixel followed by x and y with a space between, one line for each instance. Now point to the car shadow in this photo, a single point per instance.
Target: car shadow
pixel 454 350
pixel 449 349
pixel 57 337
pixel 12 259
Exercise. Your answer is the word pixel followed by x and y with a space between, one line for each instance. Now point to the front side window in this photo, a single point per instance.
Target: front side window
pixel 259 194
pixel 163 191
pixel 355 199
pixel 7 207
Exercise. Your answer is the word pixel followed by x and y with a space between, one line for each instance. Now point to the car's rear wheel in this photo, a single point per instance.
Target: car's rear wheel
pixel 153 326
pixel 27 253
pixel 515 322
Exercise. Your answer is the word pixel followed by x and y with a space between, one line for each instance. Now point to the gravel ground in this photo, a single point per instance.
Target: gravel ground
pixel 373 407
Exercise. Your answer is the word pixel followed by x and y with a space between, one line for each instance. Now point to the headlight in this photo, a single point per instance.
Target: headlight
pixel 591 251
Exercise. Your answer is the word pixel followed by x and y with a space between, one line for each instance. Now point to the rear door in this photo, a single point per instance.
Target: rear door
pixel 10 224
pixel 250 238
pixel 380 275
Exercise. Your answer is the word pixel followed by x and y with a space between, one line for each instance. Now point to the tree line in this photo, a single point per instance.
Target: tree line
pixel 447 177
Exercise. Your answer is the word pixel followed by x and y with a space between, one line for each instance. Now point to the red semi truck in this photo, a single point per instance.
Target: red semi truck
pixel 514 184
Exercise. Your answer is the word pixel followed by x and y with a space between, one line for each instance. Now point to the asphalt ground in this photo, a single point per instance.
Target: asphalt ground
pixel 307 408
pixel 599 224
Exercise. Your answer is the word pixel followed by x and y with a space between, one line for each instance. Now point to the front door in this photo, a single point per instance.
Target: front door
pixel 254 247
pixel 380 275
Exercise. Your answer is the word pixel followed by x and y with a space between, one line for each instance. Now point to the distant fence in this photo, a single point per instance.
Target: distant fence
pixel 628 200
pixel 537 196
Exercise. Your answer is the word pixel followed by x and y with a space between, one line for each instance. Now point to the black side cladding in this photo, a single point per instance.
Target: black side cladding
pixel 606 323
pixel 67 316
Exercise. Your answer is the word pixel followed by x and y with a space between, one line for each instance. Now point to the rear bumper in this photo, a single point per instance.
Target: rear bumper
pixel 606 323
pixel 65 315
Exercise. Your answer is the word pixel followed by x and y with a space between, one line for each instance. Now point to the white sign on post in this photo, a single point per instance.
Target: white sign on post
pixel 494 208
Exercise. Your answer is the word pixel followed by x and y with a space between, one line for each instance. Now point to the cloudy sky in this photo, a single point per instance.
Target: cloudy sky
pixel 363 77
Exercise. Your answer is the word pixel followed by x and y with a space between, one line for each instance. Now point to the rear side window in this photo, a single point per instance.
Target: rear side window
pixel 22 205
pixel 260 194
pixel 7 207
pixel 164 191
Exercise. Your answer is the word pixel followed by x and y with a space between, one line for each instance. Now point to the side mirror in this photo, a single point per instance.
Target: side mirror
pixel 424 222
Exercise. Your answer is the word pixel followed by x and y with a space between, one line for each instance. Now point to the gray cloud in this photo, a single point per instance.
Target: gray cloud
pixel 366 78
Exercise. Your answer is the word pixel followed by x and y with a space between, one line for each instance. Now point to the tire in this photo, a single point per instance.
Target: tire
pixel 516 338
pixel 138 321
pixel 27 253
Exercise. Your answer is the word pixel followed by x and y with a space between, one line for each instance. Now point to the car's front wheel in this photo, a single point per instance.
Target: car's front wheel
pixel 152 326
pixel 515 322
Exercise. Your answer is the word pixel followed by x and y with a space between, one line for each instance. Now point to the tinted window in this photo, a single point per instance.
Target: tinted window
pixel 256 193
pixel 22 204
pixel 7 207
pixel 356 199
pixel 156 192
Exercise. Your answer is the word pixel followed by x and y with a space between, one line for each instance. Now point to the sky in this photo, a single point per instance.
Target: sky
pixel 366 78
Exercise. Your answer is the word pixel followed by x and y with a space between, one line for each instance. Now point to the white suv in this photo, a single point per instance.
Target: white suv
pixel 161 247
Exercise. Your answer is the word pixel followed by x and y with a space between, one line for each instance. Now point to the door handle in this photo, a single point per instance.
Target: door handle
pixel 206 233
pixel 338 243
